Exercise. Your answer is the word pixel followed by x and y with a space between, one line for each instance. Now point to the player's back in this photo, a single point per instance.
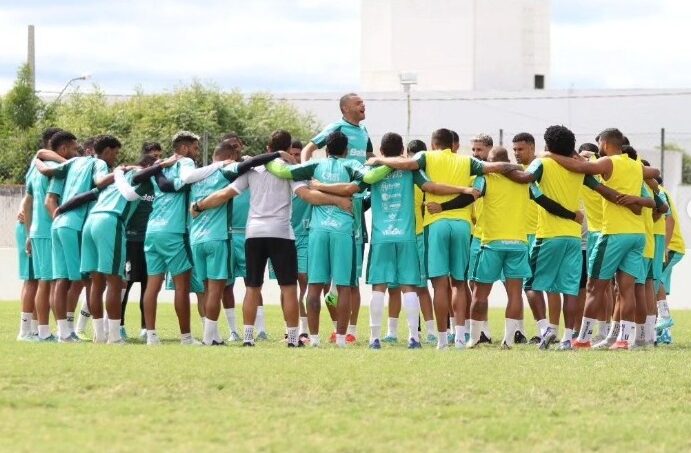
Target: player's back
pixel 445 167
pixel 328 217
pixel 564 187
pixel 169 209
pixel 393 216
pixel 627 179
pixel 37 185
pixel 505 210
pixel 81 173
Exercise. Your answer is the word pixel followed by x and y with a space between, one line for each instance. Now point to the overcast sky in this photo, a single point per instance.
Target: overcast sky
pixel 157 45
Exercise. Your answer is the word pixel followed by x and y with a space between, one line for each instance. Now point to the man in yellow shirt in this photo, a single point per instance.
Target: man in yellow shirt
pixel 447 234
pixel 619 251
pixel 674 249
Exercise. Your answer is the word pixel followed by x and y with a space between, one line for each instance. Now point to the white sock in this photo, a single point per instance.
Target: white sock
pixel 203 319
pixel 293 335
pixel 485 328
pixel 587 328
pixel 600 326
pixel 542 326
pixel 555 327
pixel 376 313
pixel 442 340
pixel 113 330
pixel 99 331
pixel 412 311
pixel 34 327
pixel 627 331
pixel 393 328
pixel 249 334
pixel 25 324
pixel 520 326
pixel 641 333
pixel 84 315
pixel 650 328
pixel 452 324
pixel 105 322
pixel 259 321
pixel 63 330
pixel 663 309
pixel 314 340
pixel 340 340
pixel 303 325
pixel 186 337
pixel 431 328
pixel 475 330
pixel 604 330
pixel 510 328
pixel 459 336
pixel 568 335
pixel 70 321
pixel 230 317
pixel 210 329
pixel 466 324
pixel 151 336
pixel 614 329
pixel 43 331
pixel 352 330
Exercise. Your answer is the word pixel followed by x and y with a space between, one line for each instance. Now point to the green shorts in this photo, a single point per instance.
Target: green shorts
pixel 475 244
pixel 447 244
pixel 301 245
pixel 593 237
pixel 166 252
pixel 239 267
pixel 501 260
pixel 556 265
pixel 659 260
pixel 210 260
pixel 420 243
pixel 26 265
pixel 617 252
pixel 646 273
pixel 359 257
pixel 66 254
pixel 103 245
pixel 196 285
pixel 672 259
pixel 331 258
pixel 393 263
pixel 42 258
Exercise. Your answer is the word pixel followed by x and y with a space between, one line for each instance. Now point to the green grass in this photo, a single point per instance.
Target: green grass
pixel 174 398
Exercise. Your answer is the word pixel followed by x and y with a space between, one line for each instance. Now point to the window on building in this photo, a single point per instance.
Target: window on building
pixel 539 82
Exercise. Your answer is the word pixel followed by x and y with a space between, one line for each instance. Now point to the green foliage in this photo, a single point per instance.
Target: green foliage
pixel 202 109
pixel 21 105
pixel 685 161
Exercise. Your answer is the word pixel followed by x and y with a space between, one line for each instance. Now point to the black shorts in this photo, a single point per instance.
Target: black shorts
pixel 135 267
pixel 584 270
pixel 283 257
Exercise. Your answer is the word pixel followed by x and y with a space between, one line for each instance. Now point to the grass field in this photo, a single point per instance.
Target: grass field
pixel 86 397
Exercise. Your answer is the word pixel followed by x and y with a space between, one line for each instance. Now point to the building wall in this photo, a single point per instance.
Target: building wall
pixel 454 44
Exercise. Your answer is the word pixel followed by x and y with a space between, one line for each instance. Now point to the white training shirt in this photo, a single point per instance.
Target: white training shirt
pixel 270 203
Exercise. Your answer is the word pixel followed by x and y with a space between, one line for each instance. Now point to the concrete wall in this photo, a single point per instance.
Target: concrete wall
pixel 10 202
pixel 454 44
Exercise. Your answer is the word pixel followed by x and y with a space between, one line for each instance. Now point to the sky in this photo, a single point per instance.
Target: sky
pixel 156 46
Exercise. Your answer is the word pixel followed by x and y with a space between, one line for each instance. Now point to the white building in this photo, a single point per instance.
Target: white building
pixel 455 45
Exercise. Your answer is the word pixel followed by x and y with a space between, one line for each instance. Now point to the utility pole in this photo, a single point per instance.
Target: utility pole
pixel 31 56
pixel 662 153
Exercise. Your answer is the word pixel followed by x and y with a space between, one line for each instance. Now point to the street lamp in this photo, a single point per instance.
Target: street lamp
pixel 407 79
pixel 81 77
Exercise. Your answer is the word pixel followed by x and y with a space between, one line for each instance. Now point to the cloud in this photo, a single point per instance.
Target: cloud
pixel 309 45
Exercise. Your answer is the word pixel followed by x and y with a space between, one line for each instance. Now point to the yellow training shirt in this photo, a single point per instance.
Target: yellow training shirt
pixel 627 179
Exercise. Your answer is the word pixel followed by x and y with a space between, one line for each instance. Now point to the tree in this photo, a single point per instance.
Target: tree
pixel 21 105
